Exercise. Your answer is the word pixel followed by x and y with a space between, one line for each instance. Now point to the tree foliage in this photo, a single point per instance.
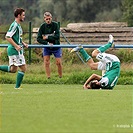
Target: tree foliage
pixel 7 9
pixel 82 10
pixel 127 7
pixel 69 10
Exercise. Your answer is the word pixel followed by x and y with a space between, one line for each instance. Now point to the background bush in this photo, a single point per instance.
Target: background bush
pixel 74 71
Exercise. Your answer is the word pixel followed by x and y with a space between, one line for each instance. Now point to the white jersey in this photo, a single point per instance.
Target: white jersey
pixel 104 57
pixel 111 64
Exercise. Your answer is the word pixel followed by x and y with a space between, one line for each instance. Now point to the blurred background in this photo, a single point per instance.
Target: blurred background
pixel 99 18
pixel 66 11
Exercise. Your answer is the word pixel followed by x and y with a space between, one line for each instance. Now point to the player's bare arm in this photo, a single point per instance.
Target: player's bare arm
pixel 25 44
pixel 92 77
pixel 10 40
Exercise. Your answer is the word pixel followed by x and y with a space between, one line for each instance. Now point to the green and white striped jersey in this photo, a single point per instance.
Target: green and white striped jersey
pixel 15 32
pixel 112 70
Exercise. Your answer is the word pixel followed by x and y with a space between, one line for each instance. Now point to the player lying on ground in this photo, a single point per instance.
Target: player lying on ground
pixel 108 62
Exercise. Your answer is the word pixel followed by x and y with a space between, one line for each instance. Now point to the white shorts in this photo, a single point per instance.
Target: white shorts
pixel 17 60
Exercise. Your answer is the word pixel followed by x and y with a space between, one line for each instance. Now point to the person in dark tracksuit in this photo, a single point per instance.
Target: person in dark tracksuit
pixel 49 34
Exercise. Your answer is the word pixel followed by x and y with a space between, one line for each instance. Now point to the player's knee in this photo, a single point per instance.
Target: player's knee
pixel 47 63
pixel 24 69
pixel 94 53
pixel 58 63
pixel 13 69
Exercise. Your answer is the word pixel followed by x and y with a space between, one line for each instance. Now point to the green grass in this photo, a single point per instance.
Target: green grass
pixel 49 108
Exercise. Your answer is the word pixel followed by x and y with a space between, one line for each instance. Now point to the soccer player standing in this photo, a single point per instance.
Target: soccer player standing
pixel 15 50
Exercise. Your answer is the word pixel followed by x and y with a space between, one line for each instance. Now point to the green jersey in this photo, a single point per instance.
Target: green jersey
pixel 112 70
pixel 14 32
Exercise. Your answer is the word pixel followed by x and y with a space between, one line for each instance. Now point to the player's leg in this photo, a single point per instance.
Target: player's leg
pixel 59 66
pixel 20 76
pixel 108 45
pixel 22 65
pixel 5 68
pixel 47 65
pixel 58 54
pixel 84 54
pixel 46 57
pixel 104 47
pixel 12 68
pixel 100 49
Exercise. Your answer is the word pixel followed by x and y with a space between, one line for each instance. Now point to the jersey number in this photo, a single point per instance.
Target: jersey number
pixel 108 66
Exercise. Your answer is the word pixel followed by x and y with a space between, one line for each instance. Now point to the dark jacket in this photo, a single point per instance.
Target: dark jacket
pixel 52 31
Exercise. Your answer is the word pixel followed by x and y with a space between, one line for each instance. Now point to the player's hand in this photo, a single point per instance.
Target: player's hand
pixel 86 87
pixel 18 47
pixel 25 44
pixel 44 37
pixel 51 44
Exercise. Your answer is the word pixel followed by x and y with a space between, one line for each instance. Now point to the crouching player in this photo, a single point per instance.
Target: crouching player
pixel 108 62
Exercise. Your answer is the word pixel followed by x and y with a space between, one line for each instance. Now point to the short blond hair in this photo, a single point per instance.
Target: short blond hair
pixel 46 14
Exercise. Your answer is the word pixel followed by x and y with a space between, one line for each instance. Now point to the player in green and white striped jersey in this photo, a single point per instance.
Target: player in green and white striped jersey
pixel 108 62
pixel 15 50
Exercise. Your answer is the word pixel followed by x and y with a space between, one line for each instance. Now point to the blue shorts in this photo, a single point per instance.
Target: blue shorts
pixel 57 53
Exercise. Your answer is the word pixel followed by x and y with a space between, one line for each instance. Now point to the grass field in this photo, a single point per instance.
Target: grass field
pixel 49 108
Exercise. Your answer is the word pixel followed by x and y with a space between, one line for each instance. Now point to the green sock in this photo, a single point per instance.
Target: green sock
pixel 85 55
pixel 104 47
pixel 20 76
pixel 5 68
